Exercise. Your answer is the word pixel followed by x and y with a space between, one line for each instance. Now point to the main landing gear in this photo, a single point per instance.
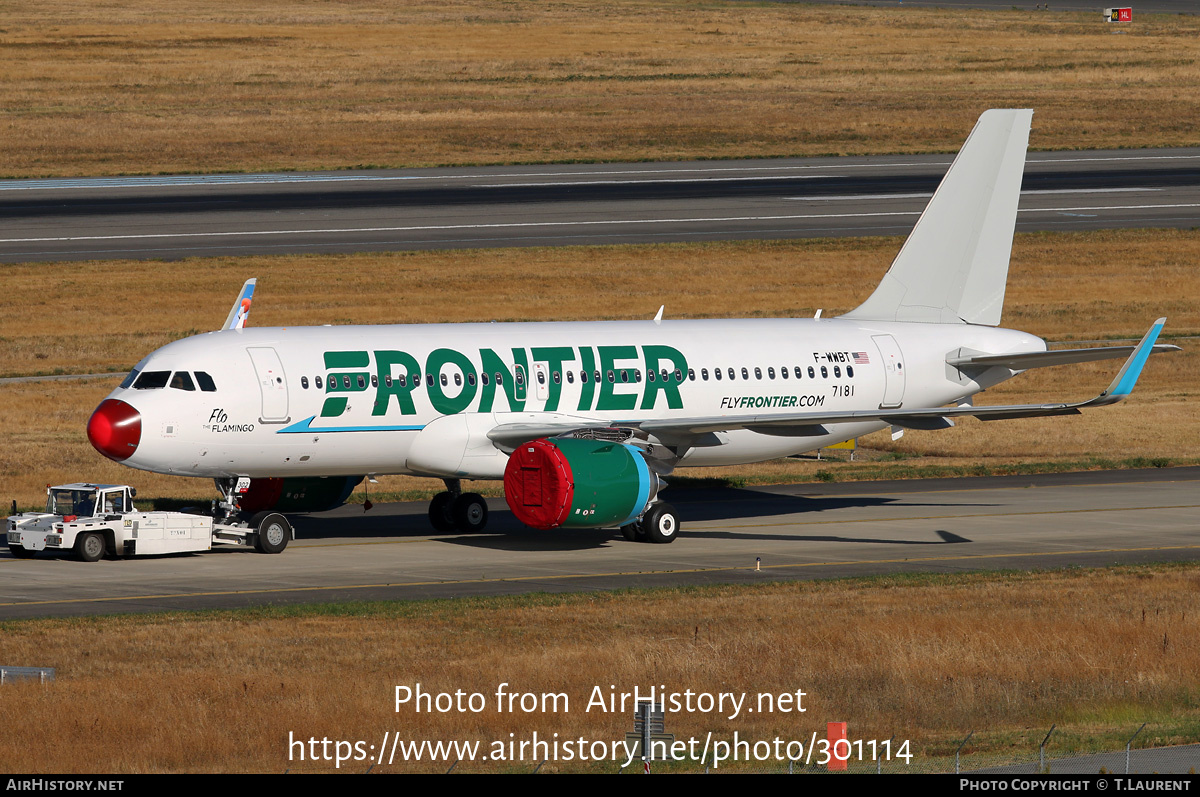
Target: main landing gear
pixel 660 525
pixel 455 510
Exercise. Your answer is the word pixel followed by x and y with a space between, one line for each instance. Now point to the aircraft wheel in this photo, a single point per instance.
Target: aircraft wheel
pixel 661 524
pixel 633 532
pixel 274 531
pixel 21 552
pixel 470 513
pixel 89 546
pixel 441 509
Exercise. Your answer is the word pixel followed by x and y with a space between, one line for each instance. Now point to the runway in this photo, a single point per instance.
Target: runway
pixel 786 532
pixel 185 216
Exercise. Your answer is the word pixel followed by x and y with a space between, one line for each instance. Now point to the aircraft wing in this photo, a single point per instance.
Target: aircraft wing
pixel 698 430
pixel 813 423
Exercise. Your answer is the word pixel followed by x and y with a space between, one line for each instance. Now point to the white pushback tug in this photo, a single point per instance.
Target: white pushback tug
pixel 95 519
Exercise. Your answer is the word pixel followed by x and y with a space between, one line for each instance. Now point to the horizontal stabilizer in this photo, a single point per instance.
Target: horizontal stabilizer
pixel 1044 359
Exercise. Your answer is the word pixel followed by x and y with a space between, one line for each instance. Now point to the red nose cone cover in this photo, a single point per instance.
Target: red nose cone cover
pixel 538 484
pixel 115 429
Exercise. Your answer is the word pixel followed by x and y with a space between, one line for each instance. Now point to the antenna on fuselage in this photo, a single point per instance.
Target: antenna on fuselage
pixel 658 315
pixel 241 308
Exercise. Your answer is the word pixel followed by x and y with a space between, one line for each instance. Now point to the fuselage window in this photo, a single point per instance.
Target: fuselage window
pixel 650 374
pixel 664 375
pixel 745 374
pixel 428 380
pixel 182 381
pixel 596 375
pixel 346 382
pixel 374 380
pixel 624 375
pixel 637 374
pixel 811 373
pixel 610 377
pixel 850 371
pixel 571 377
pixel 824 372
pixel 717 373
pixel 471 379
pixel 205 382
pixel 783 372
pixel 387 380
pixel 499 378
pixel 444 380
pixel 152 380
pixel 484 378
pixel 541 377
pixel 770 373
pixel 583 377
pixel 799 373
pixel 457 379
pixel 557 378
pixel 403 380
pixel 362 381
pixel 732 376
pixel 691 374
pixel 316 381
pixel 758 373
pixel 704 374
pixel 520 375
pixel 837 371
pixel 304 382
pixel 678 375
pixel 129 379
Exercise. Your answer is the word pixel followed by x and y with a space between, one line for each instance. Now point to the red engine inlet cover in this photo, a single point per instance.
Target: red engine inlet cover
pixel 538 485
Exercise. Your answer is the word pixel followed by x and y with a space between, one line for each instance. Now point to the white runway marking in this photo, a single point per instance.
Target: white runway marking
pixel 546 224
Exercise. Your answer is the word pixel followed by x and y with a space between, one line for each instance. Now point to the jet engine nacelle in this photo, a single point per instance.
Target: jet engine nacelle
pixel 313 494
pixel 578 483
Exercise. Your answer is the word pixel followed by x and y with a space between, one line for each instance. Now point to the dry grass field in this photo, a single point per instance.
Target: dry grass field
pixel 102 88
pixel 921 658
pixel 1084 286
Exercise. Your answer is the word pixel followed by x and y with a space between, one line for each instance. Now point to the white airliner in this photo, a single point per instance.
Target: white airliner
pixel 581 420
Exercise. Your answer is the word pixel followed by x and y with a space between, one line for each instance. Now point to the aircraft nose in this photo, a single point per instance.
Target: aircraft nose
pixel 115 429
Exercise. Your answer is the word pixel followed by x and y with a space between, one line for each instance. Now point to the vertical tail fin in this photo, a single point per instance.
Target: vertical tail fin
pixel 241 307
pixel 954 265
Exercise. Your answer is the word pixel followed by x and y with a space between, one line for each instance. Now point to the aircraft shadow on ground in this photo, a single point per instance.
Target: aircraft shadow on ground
pixel 720 504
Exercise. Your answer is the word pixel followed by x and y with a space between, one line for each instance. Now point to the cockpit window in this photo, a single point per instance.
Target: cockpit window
pixel 152 380
pixel 182 381
pixel 206 383
pixel 128 380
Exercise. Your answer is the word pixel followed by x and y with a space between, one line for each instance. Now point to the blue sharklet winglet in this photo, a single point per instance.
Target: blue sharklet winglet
pixel 241 308
pixel 1122 384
